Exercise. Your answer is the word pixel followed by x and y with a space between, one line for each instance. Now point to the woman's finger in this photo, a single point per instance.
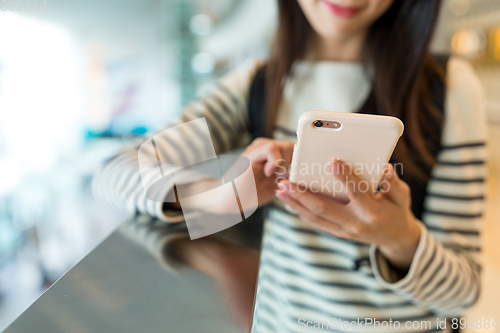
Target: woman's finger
pixel 273 158
pixel 351 184
pixel 393 188
pixel 272 153
pixel 318 204
pixel 280 166
pixel 312 219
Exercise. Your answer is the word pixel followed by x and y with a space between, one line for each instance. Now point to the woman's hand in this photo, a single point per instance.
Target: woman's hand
pixel 384 219
pixel 269 159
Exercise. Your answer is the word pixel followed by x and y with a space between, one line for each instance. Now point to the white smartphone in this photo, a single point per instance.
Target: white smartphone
pixel 364 142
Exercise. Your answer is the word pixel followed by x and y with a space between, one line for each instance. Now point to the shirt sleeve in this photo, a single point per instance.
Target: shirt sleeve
pixel 444 275
pixel 225 109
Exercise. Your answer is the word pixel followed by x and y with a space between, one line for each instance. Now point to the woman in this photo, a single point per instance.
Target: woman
pixel 408 255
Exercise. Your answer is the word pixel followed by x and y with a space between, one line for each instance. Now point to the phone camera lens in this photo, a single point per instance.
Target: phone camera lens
pixel 318 123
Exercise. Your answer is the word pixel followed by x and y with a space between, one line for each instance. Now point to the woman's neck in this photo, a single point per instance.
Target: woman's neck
pixel 346 49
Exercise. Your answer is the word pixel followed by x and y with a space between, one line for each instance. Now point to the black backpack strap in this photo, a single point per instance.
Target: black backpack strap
pixel 437 87
pixel 257 115
pixel 257 104
pixel 437 84
pixel 442 60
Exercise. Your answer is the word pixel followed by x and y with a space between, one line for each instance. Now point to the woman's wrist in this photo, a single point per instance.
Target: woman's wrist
pixel 401 250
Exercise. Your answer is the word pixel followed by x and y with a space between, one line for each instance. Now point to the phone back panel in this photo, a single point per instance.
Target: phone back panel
pixel 365 142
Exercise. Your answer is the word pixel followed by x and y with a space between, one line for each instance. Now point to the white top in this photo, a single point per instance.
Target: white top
pixel 307 275
pixel 325 85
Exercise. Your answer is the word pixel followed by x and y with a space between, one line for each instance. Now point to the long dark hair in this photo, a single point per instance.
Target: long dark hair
pixel 397 48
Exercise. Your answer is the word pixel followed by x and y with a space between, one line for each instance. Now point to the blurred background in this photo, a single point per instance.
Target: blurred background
pixel 80 78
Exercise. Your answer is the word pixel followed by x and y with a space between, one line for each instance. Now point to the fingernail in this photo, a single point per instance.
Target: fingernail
pixel 281 195
pixel 285 185
pixel 336 167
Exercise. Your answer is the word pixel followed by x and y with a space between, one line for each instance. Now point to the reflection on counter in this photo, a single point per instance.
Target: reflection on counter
pixel 133 282
pixel 230 258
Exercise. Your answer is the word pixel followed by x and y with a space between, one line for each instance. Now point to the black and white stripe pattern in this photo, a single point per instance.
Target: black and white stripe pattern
pixel 308 274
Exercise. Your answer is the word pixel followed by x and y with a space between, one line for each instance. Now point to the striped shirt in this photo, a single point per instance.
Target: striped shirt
pixel 307 277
